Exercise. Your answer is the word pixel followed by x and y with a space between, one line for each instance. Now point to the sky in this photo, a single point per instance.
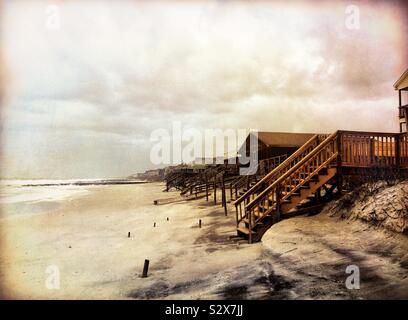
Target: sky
pixel 84 83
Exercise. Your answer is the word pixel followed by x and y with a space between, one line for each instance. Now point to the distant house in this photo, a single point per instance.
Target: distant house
pixel 402 85
pixel 203 160
pixel 154 174
pixel 151 173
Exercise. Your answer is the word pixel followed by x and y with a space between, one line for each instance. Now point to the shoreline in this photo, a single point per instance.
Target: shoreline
pixel 85 183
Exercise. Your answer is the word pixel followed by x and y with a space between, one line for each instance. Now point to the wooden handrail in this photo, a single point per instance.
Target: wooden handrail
pixel 366 133
pixel 275 171
pixel 291 170
pixel 316 171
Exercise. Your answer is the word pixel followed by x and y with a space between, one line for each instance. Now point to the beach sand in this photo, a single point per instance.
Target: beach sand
pixel 85 236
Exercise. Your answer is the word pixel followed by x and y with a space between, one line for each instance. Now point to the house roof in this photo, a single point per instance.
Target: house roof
pixel 278 140
pixel 401 83
pixel 283 139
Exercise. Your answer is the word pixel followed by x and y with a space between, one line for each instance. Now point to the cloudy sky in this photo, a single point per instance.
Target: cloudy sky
pixel 84 83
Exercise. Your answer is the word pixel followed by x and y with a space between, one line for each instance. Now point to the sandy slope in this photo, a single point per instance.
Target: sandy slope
pixel 86 237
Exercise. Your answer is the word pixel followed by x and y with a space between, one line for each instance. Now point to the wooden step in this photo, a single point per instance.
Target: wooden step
pixel 244 230
pixel 295 194
pixel 246 220
pixel 263 208
pixel 309 194
pixel 291 187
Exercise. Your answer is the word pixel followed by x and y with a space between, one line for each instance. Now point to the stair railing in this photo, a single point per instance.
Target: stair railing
pixel 290 181
pixel 276 172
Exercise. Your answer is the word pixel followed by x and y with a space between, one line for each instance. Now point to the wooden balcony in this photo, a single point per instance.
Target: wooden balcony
pixel 373 149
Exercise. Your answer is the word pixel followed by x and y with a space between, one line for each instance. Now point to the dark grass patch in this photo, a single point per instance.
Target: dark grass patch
pixel 158 290
pixel 162 289
pixel 404 263
pixel 238 292
pixel 277 286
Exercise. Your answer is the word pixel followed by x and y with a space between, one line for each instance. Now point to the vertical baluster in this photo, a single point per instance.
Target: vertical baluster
pixel 357 142
pixel 368 151
pixel 240 211
pixel 278 195
pixel 236 215
pixel 250 225
pixel 382 151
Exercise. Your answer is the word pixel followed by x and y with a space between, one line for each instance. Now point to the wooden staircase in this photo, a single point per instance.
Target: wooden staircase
pixel 287 187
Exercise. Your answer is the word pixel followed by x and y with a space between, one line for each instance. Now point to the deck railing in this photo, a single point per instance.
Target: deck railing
pixel 373 149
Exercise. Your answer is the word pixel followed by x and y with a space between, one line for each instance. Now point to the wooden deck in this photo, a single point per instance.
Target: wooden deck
pixel 373 149
pixel 284 186
pixel 314 173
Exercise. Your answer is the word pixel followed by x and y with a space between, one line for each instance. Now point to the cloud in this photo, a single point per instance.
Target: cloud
pixel 94 89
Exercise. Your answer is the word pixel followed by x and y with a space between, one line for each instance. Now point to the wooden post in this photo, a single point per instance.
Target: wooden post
pixel 372 152
pixel 224 195
pixel 145 268
pixel 215 189
pixel 397 150
pixel 399 98
pixel 247 186
pixel 339 164
pixel 128 234
pixel 236 214
pixel 278 204
pixel 154 225
pixel 206 188
pixel 401 112
pixel 318 195
pixel 199 223
pixel 250 226
pixel 399 109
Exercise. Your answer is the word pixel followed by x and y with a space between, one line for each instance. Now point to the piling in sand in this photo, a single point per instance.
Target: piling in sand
pixel 145 268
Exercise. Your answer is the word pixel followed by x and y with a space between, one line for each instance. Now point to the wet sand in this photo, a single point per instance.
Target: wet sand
pixel 86 237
